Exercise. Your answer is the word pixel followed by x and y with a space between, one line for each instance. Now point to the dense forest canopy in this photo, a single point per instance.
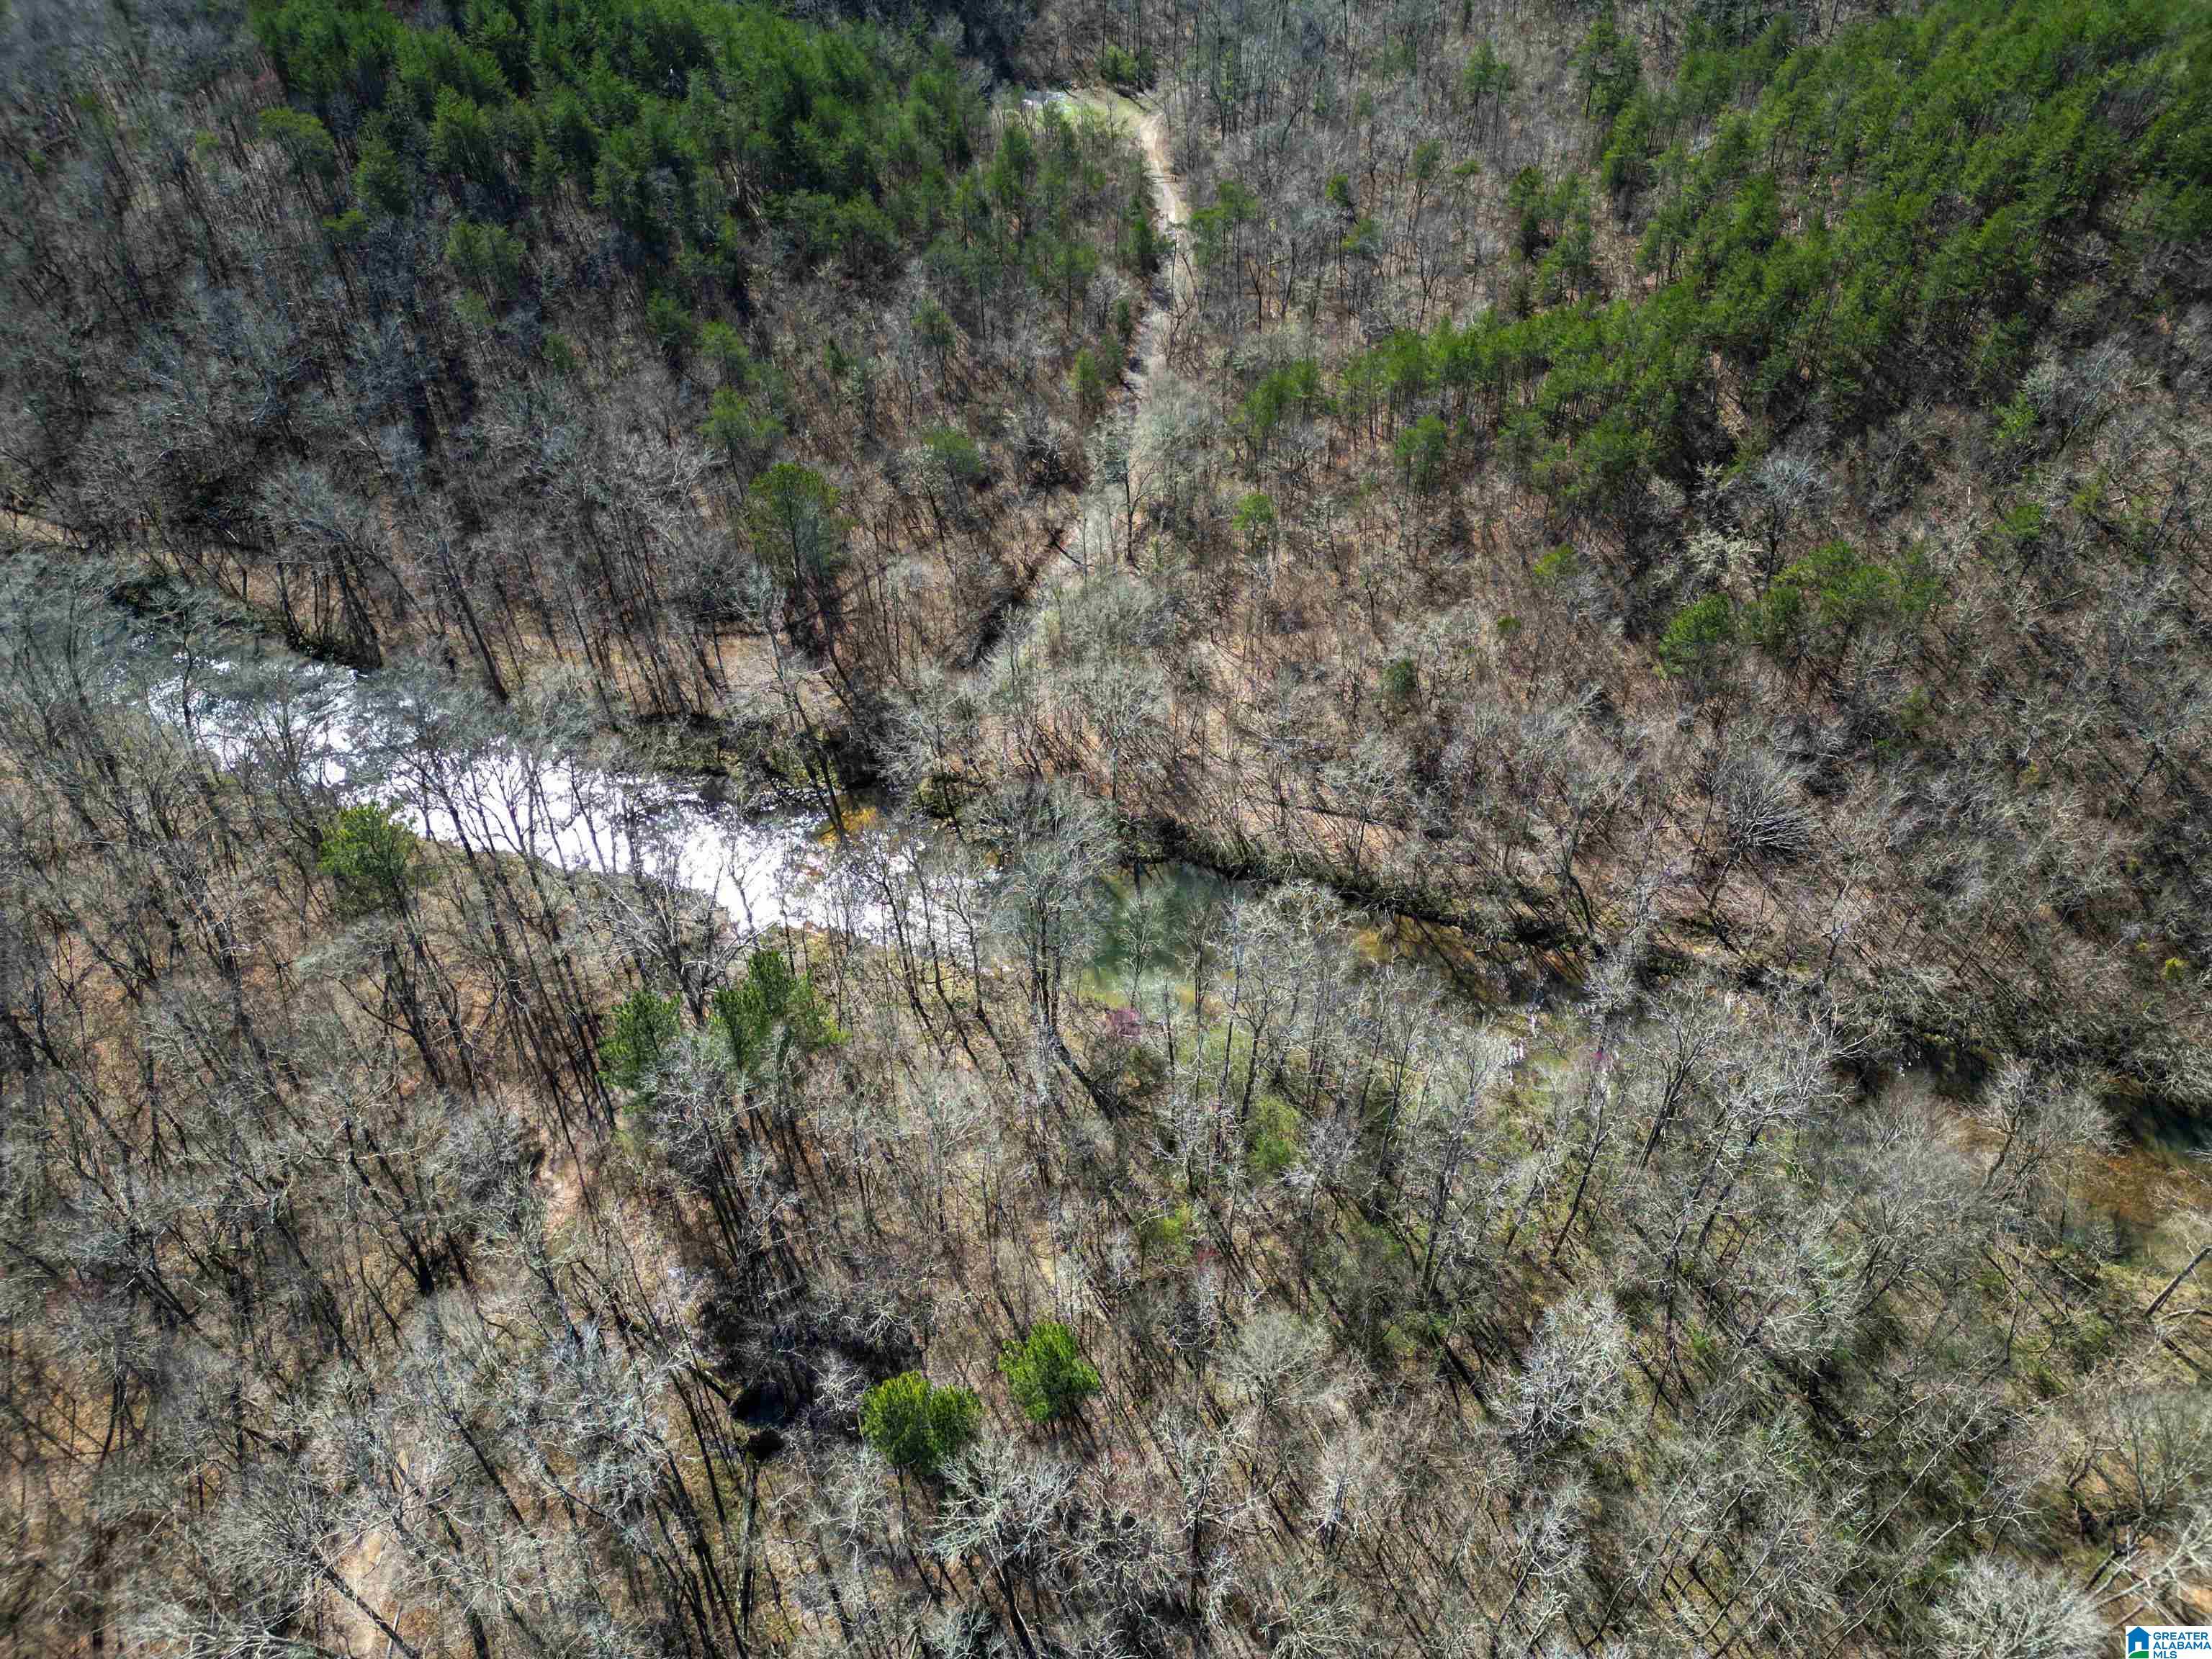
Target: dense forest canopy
pixel 665 118
pixel 1112 829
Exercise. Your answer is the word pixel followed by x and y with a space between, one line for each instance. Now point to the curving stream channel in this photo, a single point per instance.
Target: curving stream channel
pixel 370 742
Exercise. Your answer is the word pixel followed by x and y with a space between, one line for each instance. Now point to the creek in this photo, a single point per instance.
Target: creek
pixel 455 776
pixel 370 742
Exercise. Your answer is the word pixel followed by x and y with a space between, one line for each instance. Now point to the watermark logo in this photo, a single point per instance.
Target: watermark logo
pixel 2169 1641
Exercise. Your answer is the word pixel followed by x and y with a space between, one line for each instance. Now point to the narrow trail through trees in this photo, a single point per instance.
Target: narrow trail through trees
pixel 1155 334
pixel 1159 321
pixel 1156 330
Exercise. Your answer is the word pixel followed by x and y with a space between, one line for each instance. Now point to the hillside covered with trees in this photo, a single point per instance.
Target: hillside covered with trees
pixel 1124 829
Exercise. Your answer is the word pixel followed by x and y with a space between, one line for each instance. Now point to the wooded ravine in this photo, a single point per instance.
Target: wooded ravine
pixel 1104 828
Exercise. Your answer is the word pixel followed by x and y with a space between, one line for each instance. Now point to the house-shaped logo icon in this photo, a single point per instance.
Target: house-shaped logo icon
pixel 2138 1642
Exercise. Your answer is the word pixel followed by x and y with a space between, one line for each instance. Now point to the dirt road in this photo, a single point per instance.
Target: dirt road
pixel 1155 333
pixel 1150 128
